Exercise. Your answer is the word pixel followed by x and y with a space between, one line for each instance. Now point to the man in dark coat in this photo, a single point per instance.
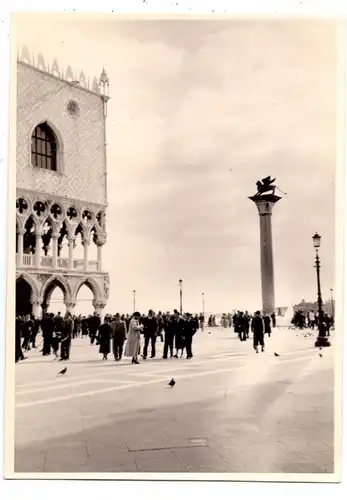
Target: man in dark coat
pixel 105 338
pixel 150 333
pixel 179 332
pixel 47 327
pixel 19 356
pixel 119 334
pixel 257 327
pixel 68 326
pixel 267 324
pixel 58 323
pixel 26 333
pixel 94 323
pixel 273 317
pixel 235 322
pixel 84 326
pixel 241 326
pixel 247 321
pixel 169 336
pixel 190 329
pixel 160 322
pixel 34 330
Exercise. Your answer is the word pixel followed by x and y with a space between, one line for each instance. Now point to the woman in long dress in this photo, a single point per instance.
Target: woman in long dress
pixel 132 347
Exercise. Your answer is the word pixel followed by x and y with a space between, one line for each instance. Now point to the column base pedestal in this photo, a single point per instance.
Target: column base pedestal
pixel 322 342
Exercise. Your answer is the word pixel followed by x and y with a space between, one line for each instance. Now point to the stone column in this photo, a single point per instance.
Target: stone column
pixel 38 235
pixel 99 309
pixel 20 247
pixel 86 247
pixel 71 242
pixel 99 247
pixel 44 306
pixel 36 310
pixel 265 205
pixel 55 250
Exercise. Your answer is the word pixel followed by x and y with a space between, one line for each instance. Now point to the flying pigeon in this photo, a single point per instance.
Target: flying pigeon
pixel 276 354
pixel 63 371
pixel 172 382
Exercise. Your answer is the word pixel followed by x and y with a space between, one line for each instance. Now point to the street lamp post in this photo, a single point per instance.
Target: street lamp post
pixel 332 305
pixel 181 282
pixel 134 300
pixel 321 340
pixel 203 304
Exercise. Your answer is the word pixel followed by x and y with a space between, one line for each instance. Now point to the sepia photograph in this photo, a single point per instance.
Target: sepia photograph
pixel 174 270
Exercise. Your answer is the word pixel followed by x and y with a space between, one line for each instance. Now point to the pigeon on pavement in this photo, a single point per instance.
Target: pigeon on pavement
pixel 172 382
pixel 276 354
pixel 63 371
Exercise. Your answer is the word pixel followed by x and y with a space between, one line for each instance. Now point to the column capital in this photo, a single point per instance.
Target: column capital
pixel 55 235
pixel 21 231
pixel 265 203
pixel 97 304
pixel 35 302
pixel 69 303
pixel 38 233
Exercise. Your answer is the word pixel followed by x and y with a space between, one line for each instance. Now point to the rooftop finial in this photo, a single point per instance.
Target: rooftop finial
pixel 104 82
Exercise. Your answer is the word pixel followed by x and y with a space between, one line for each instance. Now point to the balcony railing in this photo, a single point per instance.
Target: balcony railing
pixel 46 262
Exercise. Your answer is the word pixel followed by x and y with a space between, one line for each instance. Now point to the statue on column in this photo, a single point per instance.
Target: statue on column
pixel 266 185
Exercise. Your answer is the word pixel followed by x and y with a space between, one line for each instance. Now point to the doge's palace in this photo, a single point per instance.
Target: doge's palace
pixel 61 184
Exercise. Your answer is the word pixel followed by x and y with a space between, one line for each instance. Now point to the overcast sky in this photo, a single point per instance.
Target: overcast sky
pixel 199 111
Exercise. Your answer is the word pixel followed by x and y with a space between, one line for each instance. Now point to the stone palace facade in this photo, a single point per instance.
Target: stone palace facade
pixel 61 184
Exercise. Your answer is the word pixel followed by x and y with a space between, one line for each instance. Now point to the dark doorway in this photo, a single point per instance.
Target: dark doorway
pixel 23 296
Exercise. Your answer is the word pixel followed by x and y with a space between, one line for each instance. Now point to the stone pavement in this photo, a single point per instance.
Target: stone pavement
pixel 232 410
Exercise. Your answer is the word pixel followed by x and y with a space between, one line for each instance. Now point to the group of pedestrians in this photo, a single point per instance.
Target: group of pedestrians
pixel 118 334
pixel 179 330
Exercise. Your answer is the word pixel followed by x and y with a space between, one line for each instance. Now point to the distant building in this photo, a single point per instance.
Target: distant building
pixel 328 307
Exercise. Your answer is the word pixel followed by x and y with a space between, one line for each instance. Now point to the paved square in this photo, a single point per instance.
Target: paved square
pixel 232 410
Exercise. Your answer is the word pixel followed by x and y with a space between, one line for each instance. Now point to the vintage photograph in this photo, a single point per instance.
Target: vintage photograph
pixel 175 197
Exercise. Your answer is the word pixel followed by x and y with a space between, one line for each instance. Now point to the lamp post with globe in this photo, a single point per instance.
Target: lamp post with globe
pixel 322 340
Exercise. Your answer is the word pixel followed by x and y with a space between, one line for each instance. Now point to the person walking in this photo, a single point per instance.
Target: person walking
pixel 150 333
pixel 119 334
pixel 65 344
pixel 19 356
pixel 267 324
pixel 201 322
pixel 133 343
pixel 94 323
pixel 26 333
pixel 273 318
pixel 257 327
pixel 47 327
pixel 169 336
pixel 160 322
pixel 105 338
pixel 189 331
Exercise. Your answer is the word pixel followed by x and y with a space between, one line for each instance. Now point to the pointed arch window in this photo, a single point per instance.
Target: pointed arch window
pixel 44 148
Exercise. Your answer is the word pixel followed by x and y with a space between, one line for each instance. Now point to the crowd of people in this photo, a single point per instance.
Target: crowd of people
pixel 310 320
pixel 175 330
pixel 121 334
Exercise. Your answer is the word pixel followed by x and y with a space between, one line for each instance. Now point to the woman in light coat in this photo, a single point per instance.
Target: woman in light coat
pixel 132 347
